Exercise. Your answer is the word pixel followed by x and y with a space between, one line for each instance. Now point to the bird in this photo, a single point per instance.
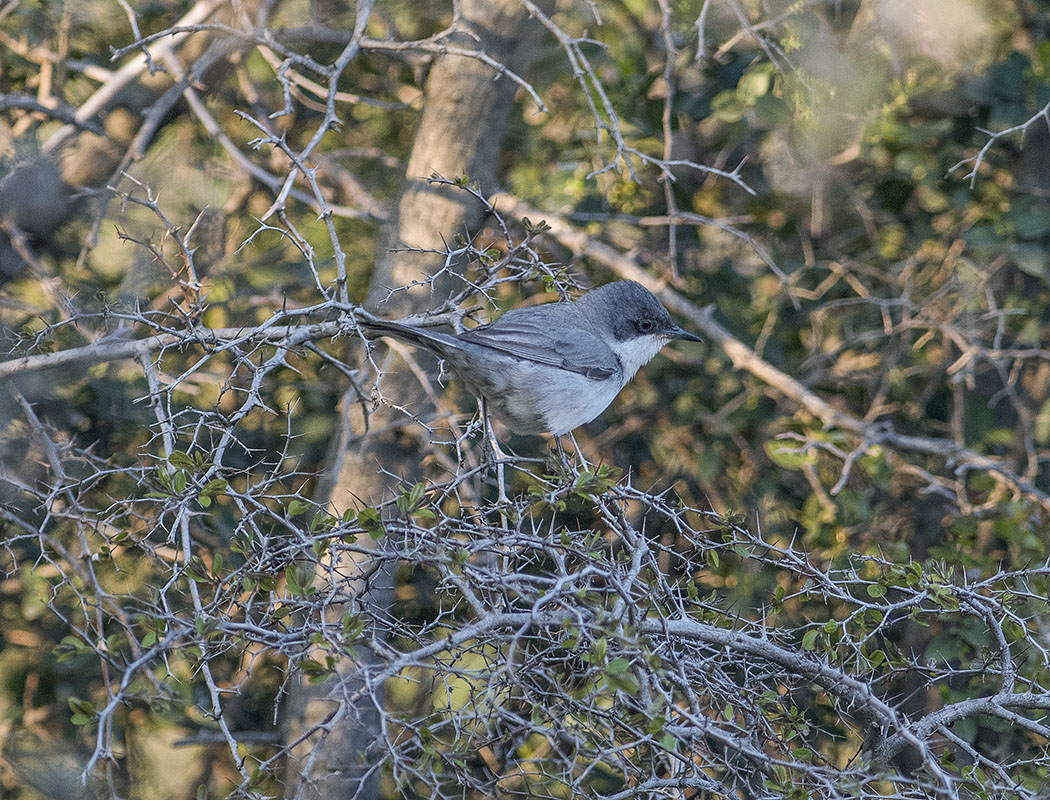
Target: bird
pixel 551 368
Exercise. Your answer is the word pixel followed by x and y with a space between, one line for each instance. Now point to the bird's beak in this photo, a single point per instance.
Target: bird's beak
pixel 681 333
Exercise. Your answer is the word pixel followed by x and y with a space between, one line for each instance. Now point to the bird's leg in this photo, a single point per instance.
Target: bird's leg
pixel 493 450
pixel 579 452
pixel 561 450
pixel 493 453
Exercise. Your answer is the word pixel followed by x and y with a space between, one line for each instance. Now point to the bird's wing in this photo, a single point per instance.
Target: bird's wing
pixel 551 335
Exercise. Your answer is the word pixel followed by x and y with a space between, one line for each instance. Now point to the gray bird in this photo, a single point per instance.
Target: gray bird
pixel 556 366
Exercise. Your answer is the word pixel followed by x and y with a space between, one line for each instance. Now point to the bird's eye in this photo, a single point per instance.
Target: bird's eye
pixel 646 325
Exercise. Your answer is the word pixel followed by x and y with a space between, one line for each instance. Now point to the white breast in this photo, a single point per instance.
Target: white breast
pixel 636 353
pixel 581 399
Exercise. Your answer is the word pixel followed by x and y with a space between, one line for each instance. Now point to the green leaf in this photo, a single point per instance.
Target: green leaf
pixel 311 667
pixel 772 111
pixel 181 460
pixel 599 649
pixel 789 456
pixel 215 487
pixel 1029 217
pixel 197 570
pixel 369 519
pixel 299 580
pixel 75 643
pixel 79 706
pixel 1030 258
pixel 625 682
pixel 353 626
pixel 809 641
pixel 322 521
pixel 755 82
pixel 728 107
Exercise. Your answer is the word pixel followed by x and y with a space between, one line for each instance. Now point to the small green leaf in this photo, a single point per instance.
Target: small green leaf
pixel 181 460
pixel 789 456
pixel 598 650
pixel 625 682
pixel 322 521
pixel 772 111
pixel 215 487
pixel 728 107
pixel 369 519
pixel 311 667
pixel 79 706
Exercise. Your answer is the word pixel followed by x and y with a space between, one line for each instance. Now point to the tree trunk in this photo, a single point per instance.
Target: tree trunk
pixel 465 110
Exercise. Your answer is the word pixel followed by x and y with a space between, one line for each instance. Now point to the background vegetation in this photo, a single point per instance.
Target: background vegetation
pixel 808 558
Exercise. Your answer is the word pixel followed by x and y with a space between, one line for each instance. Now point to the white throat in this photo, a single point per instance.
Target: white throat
pixel 637 352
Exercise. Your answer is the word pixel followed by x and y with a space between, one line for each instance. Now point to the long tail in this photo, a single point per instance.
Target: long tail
pixel 420 337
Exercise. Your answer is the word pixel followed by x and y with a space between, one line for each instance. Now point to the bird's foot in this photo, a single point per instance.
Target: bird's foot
pixel 577 453
pixel 493 456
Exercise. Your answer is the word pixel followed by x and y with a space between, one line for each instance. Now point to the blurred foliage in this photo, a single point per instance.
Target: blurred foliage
pixel 915 295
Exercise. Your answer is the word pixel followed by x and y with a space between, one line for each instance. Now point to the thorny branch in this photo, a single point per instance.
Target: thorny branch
pixel 977 160
pixel 584 640
pixel 582 602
